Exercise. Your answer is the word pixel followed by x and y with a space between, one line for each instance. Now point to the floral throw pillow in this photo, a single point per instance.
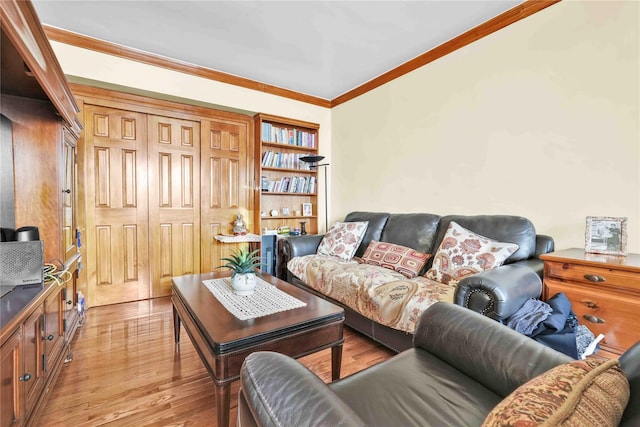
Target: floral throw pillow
pixel 463 252
pixel 402 259
pixel 343 239
pixel 587 392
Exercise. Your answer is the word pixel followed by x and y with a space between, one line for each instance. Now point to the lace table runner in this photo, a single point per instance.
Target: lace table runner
pixel 267 299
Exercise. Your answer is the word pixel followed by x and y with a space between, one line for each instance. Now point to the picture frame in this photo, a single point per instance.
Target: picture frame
pixel 286 212
pixel 307 209
pixel 606 235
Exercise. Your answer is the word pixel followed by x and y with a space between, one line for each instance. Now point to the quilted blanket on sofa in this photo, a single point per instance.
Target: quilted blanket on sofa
pixel 378 293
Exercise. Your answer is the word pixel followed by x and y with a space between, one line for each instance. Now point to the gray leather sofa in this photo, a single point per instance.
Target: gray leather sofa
pixel 460 367
pixel 496 293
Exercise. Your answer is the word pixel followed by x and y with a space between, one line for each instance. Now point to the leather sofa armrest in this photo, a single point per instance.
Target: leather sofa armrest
pixel 279 391
pixel 291 247
pixel 544 244
pixel 630 363
pixel 489 352
pixel 500 292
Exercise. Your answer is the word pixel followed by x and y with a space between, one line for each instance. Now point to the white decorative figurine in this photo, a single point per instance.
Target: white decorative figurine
pixel 239 229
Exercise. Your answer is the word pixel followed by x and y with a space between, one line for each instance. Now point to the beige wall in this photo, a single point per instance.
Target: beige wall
pixel 540 119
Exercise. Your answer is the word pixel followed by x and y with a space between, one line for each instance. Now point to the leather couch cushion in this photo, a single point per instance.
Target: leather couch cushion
pixel 415 230
pixel 376 220
pixel 415 388
pixel 503 228
pixel 588 392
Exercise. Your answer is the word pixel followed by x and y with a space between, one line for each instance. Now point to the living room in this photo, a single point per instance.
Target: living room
pixel 539 119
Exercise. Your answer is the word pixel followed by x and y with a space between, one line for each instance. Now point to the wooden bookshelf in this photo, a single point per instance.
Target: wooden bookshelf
pixel 285 182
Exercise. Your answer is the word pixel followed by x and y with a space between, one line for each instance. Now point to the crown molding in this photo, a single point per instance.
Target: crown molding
pixel 515 14
pixel 90 43
pixel 505 19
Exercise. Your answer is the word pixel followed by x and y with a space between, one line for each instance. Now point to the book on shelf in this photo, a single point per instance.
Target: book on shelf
pixel 300 138
pixel 284 160
pixel 290 184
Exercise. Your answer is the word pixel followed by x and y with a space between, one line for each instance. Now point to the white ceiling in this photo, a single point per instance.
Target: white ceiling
pixel 319 48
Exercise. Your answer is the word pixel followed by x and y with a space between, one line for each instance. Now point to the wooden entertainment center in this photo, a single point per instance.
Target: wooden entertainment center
pixel 36 336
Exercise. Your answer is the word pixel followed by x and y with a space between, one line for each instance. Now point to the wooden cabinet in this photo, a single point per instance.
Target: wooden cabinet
pixel 37 101
pixel 604 291
pixel 286 182
pixel 33 347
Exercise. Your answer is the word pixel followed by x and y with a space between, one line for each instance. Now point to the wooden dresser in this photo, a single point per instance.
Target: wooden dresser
pixel 604 291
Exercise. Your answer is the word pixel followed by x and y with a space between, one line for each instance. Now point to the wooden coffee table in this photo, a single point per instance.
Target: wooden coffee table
pixel 224 341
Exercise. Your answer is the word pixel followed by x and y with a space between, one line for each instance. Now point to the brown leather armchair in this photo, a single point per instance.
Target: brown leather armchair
pixel 461 366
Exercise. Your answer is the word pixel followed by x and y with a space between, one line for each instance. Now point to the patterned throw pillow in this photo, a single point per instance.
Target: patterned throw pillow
pixel 592 392
pixel 463 252
pixel 343 239
pixel 402 259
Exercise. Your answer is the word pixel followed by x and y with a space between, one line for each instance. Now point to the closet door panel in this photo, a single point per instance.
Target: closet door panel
pixel 117 207
pixel 226 186
pixel 174 200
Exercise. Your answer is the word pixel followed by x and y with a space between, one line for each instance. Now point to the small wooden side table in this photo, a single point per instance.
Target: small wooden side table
pixel 604 291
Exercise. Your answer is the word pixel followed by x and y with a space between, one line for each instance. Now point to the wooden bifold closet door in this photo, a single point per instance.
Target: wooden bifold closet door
pixel 158 189
pixel 116 191
pixel 174 200
pixel 225 185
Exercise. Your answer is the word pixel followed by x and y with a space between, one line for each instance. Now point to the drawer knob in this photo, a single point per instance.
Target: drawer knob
pixel 594 278
pixel 594 319
pixel 590 304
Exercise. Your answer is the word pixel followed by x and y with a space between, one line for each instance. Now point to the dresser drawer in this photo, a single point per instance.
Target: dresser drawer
pixel 612 314
pixel 601 276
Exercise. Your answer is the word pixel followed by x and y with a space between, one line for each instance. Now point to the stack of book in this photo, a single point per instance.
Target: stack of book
pixel 273 159
pixel 290 184
pixel 271 133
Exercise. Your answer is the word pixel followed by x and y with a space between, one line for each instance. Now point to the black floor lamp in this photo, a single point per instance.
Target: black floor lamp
pixel 314 164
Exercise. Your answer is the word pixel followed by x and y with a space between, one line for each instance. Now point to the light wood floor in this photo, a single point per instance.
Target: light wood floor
pixel 126 371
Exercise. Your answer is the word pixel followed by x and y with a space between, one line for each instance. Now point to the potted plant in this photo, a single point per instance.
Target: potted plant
pixel 245 266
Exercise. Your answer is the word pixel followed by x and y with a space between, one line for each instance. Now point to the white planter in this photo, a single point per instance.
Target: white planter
pixel 244 284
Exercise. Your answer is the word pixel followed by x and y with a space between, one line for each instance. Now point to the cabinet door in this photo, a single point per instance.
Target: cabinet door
pixel 53 329
pixel 11 398
pixel 69 197
pixel 70 306
pixel 32 354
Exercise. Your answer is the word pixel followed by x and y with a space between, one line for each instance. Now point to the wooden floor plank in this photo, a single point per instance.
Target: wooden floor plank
pixel 126 371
